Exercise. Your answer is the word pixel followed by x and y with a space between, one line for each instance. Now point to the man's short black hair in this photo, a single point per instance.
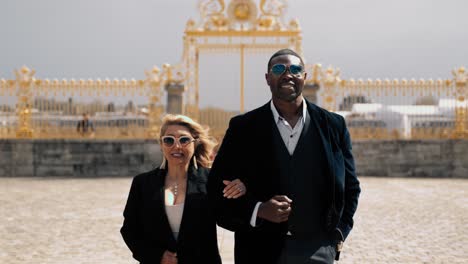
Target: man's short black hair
pixel 283 52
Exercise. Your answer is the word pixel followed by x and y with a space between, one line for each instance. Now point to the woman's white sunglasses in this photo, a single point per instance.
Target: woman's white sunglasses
pixel 169 141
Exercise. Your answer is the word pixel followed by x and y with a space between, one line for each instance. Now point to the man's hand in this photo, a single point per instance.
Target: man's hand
pixel 275 210
pixel 169 257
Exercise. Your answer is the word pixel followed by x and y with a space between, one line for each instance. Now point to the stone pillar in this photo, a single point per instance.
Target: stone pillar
pixel 175 102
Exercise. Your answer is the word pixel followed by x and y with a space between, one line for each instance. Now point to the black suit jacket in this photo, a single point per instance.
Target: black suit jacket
pixel 146 229
pixel 247 153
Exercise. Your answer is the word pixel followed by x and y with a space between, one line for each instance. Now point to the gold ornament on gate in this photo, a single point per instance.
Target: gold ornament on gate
pixel 25 79
pixel 243 12
pixel 272 12
pixel 212 15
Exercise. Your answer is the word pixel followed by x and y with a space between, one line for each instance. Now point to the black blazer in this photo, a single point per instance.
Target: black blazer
pixel 146 229
pixel 247 153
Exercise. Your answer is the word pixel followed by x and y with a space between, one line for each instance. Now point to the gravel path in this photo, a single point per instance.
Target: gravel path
pixel 59 220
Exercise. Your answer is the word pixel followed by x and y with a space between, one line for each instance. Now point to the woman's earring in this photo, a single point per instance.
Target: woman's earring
pixel 195 162
pixel 163 164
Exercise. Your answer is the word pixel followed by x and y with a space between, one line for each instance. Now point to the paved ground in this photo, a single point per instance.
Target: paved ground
pixel 53 220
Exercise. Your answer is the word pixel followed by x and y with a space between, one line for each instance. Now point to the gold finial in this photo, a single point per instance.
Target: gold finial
pixel 316 70
pixel 25 76
pixel 460 76
pixel 168 72
pixel 190 24
pixel 169 76
pixel 152 76
pixel 294 24
pixel 331 76
pixel 24 70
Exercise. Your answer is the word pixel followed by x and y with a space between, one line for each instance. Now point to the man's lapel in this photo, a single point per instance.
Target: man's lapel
pixel 321 122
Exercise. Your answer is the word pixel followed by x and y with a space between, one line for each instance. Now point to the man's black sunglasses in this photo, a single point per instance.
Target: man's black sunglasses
pixel 294 69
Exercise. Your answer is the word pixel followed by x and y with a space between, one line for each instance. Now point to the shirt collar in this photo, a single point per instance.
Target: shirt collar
pixel 277 117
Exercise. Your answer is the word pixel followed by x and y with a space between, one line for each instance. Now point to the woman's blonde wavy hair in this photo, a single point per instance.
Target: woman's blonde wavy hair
pixel 204 144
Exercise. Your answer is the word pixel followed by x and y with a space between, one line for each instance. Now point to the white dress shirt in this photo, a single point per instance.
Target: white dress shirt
pixel 290 136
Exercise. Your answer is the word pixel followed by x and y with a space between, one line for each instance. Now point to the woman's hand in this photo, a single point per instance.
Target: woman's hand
pixel 169 257
pixel 234 189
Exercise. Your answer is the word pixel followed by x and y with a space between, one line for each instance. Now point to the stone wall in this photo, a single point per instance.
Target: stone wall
pixel 412 158
pixel 77 158
pixel 394 158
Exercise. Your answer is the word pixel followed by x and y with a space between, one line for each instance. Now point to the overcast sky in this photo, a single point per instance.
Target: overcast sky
pixel 123 38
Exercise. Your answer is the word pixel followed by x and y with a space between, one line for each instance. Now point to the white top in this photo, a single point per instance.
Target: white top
pixel 174 215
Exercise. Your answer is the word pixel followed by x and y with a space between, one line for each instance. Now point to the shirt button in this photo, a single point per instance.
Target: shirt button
pixel 291 136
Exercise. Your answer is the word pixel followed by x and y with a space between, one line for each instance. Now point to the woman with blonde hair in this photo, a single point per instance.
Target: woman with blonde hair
pixel 168 216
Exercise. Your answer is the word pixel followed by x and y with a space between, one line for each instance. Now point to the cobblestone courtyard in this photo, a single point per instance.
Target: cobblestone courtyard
pixel 57 220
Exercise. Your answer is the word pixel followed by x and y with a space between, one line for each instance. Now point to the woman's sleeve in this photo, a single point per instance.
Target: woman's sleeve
pixel 131 230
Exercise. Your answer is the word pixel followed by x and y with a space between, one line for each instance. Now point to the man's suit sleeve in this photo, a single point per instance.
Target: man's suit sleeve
pixel 232 214
pixel 352 188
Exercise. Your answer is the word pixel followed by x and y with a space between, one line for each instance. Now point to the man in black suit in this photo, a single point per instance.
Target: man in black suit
pixel 296 162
